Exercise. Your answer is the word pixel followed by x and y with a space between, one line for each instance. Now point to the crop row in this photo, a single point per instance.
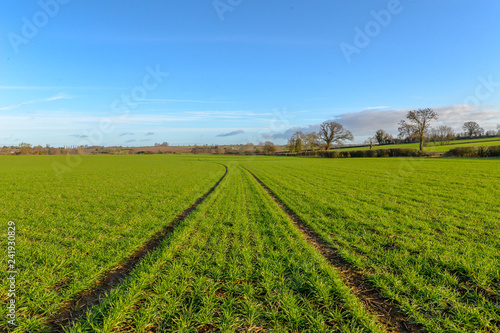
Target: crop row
pixel 237 263
pixel 73 229
pixel 426 232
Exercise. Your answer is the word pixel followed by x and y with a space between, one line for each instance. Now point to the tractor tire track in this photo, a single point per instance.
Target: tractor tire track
pixel 380 306
pixel 85 300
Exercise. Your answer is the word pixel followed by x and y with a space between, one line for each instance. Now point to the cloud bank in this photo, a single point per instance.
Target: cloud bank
pixel 365 123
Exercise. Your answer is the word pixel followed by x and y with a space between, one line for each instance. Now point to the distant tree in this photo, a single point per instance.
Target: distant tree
pixel 25 148
pixel 382 137
pixel 310 141
pixel 371 141
pixel 498 129
pixel 406 131
pixel 445 134
pixel 295 142
pixel 269 148
pixel 491 133
pixel 248 149
pixel 259 149
pixel 472 129
pixel 290 145
pixel 299 141
pixel 433 135
pixel 419 121
pixel 333 132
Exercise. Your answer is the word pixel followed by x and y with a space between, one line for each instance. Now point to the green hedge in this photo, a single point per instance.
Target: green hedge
pixel 481 151
pixel 392 152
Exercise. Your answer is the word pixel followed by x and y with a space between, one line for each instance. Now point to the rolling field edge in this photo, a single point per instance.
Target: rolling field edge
pixel 83 301
pixel 381 307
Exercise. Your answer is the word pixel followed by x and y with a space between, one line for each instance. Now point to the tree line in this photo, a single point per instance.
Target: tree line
pixel 416 127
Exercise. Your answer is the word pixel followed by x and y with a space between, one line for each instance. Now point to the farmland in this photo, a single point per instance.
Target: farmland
pixel 424 233
pixel 74 228
pixel 256 253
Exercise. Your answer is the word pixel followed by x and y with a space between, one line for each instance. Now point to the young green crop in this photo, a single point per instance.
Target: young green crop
pixel 426 231
pixel 236 264
pixel 71 230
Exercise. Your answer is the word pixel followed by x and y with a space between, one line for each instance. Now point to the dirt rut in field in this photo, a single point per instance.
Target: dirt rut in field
pixel 387 315
pixel 74 310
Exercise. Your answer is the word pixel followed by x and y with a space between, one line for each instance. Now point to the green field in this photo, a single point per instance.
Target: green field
pixel 72 229
pixel 436 148
pixel 424 234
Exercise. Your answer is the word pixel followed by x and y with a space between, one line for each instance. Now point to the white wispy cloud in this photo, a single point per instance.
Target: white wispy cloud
pixel 208 114
pixel 167 100
pixel 54 87
pixel 41 100
pixel 376 107
pixel 60 119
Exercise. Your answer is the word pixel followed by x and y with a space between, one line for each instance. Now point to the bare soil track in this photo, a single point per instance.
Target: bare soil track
pixel 82 302
pixel 387 314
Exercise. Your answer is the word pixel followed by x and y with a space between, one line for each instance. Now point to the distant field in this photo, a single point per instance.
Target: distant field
pixel 422 235
pixel 438 148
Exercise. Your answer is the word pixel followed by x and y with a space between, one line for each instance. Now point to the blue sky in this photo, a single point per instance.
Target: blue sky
pixel 240 71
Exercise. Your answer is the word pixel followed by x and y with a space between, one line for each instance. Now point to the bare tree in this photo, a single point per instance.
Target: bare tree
pixel 433 135
pixel 371 141
pixel 333 132
pixel 472 128
pixel 491 133
pixel 310 140
pixel 419 122
pixel 406 131
pixel 445 134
